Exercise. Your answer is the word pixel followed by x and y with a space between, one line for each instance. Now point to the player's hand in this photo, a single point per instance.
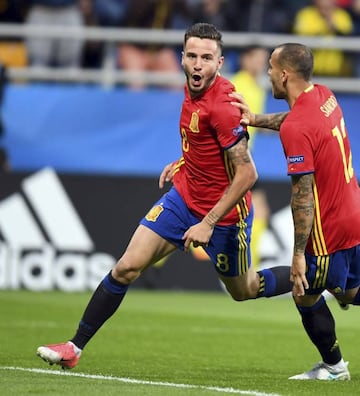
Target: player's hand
pixel 297 274
pixel 247 117
pixel 198 234
pixel 167 174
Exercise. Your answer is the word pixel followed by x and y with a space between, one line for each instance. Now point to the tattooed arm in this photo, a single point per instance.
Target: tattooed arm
pixel 302 207
pixel 269 121
pixel 244 178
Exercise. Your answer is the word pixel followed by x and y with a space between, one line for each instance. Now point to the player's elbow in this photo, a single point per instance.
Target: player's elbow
pixel 246 176
pixel 252 176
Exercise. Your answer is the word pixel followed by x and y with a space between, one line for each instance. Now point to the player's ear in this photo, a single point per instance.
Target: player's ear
pixel 221 62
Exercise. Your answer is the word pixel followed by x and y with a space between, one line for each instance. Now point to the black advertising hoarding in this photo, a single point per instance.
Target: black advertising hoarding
pixel 65 231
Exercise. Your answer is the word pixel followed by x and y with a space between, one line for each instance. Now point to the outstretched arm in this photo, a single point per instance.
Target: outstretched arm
pixel 269 121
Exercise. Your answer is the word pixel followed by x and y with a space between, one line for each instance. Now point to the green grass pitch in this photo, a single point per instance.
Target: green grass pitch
pixel 169 343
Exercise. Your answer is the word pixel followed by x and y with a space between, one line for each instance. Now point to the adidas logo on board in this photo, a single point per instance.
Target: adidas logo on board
pixel 45 243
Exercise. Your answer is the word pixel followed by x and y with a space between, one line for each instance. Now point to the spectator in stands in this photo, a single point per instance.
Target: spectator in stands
pixel 93 50
pixel 155 14
pixel 261 15
pixel 102 13
pixel 216 13
pixel 111 13
pixel 12 11
pixel 210 11
pixel 59 52
pixel 325 18
pixel 344 3
pixel 354 10
pixel 250 80
pixel 12 49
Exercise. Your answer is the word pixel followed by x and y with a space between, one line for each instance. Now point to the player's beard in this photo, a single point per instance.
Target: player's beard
pixel 277 93
pixel 202 86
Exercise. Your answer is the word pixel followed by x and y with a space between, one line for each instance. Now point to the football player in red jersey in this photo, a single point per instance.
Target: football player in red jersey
pixel 325 200
pixel 208 205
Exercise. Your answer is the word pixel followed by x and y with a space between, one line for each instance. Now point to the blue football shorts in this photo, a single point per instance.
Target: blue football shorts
pixel 229 246
pixel 338 271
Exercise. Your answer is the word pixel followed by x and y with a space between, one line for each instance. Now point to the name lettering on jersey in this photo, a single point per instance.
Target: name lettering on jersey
pixel 295 159
pixel 329 106
pixel 194 123
pixel 154 213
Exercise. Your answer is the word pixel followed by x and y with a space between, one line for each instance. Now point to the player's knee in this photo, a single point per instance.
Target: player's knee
pixel 242 295
pixel 125 272
pixel 243 288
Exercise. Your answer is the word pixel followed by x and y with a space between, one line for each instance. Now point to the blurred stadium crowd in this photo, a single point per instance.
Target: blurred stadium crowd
pixel 303 17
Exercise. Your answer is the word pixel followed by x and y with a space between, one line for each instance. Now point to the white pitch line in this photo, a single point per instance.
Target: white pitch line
pixel 140 382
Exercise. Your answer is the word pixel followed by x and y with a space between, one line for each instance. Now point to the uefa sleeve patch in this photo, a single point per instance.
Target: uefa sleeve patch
pixel 239 130
pixel 295 159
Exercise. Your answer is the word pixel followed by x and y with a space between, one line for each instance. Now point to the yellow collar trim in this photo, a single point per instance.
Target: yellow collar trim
pixel 308 89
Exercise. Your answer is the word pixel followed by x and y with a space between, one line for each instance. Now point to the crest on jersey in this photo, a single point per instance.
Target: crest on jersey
pixel 194 123
pixel 154 213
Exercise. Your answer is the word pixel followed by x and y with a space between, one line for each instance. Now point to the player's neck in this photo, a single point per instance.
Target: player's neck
pixel 296 90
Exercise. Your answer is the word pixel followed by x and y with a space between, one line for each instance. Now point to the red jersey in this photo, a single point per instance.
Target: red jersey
pixel 209 125
pixel 315 140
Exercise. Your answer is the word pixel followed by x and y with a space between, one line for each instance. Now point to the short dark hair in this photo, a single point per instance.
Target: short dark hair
pixel 297 56
pixel 204 31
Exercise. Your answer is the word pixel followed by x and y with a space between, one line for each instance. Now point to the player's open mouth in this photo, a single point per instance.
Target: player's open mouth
pixel 196 79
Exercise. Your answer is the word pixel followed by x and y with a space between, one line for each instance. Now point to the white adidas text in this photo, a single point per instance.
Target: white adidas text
pixel 46 270
pixel 64 257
